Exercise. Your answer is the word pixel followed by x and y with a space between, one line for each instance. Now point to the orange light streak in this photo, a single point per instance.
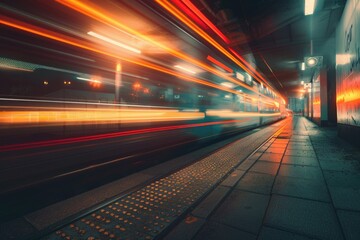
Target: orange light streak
pixel 216 62
pixel 352 95
pixel 90 116
pixel 229 113
pixel 73 42
pixel 243 64
pixel 105 18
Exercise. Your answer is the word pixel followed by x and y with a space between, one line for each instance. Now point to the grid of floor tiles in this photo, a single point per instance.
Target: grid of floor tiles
pixel 144 214
pixel 303 184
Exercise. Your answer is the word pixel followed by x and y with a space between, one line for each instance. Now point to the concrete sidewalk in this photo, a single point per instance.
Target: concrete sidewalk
pixel 304 183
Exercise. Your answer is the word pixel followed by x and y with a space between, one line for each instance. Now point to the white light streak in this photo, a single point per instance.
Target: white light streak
pixel 185 69
pixel 109 40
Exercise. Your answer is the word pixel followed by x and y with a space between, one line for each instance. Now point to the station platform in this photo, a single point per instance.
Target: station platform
pixel 289 180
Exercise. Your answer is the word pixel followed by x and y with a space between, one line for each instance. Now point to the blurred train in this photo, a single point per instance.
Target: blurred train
pixel 55 124
pixel 65 104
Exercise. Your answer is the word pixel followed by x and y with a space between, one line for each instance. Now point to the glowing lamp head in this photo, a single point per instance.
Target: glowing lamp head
pixel 311 62
pixel 309 7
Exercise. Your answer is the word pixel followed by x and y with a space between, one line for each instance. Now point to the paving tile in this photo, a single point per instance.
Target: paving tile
pixel 268 233
pixel 310 218
pixel 256 182
pixel 304 144
pixel 279 145
pixel 300 138
pixel 204 209
pixel 275 150
pixel 301 153
pixel 339 179
pixel 186 229
pixel 263 149
pixel 350 166
pixel 216 231
pixel 344 188
pixel 301 187
pixel 255 156
pixel 245 165
pixel 350 222
pixel 281 141
pixel 325 155
pixel 345 198
pixel 300 147
pixel 242 210
pixel 265 167
pixel 233 178
pixel 297 160
pixel 271 157
pixel 299 171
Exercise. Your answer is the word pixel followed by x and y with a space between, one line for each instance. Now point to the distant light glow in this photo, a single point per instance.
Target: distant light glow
pixel 185 69
pixel 109 40
pixel 228 84
pixel 240 76
pixel 311 61
pixel 302 82
pixel 343 59
pixel 249 77
pixel 118 67
pixel 309 7
pixel 303 66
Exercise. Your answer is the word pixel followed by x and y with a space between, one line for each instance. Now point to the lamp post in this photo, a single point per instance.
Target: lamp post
pixel 118 81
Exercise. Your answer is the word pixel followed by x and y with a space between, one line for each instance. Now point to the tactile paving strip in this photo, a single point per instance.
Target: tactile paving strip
pixel 145 213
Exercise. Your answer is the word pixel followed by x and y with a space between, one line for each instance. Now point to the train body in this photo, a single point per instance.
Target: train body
pixel 57 105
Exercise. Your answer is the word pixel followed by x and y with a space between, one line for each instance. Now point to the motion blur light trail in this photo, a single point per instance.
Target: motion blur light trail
pixel 243 63
pixel 110 135
pixel 204 19
pixel 230 113
pixel 59 116
pixel 104 17
pixel 173 10
pixel 64 39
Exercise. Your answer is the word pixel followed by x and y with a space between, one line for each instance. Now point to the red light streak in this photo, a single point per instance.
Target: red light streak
pixel 243 64
pixel 190 13
pixel 200 15
pixel 40 144
pixel 106 18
